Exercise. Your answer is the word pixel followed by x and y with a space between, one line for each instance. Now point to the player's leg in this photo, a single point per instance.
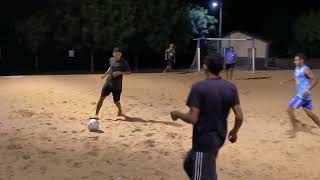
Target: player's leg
pixel 204 166
pixel 104 93
pixel 294 104
pixel 292 117
pixel 313 116
pixel 99 104
pixel 116 99
pixel 189 163
pixel 308 109
pixel 231 73
pixel 227 71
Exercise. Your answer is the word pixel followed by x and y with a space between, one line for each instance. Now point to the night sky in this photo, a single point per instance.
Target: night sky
pixel 271 19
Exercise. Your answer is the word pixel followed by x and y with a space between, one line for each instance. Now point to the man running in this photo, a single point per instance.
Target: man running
pixel 118 68
pixel 209 104
pixel 305 81
pixel 231 58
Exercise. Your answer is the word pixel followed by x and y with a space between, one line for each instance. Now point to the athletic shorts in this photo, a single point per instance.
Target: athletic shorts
pixel 169 62
pixel 229 66
pixel 107 90
pixel 297 102
pixel 201 166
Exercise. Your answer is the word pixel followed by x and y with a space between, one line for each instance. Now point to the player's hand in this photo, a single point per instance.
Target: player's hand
pixel 233 136
pixel 306 94
pixel 283 82
pixel 116 73
pixel 174 116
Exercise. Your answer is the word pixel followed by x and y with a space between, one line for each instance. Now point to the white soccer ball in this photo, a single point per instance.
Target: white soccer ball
pixel 93 125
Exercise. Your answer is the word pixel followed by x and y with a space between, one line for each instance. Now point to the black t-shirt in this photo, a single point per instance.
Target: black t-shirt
pixel 121 65
pixel 214 98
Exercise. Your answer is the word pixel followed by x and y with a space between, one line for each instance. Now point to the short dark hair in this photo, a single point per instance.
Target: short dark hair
pixel 231 47
pixel 301 56
pixel 214 63
pixel 117 49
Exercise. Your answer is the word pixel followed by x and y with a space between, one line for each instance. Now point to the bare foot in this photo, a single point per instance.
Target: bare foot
pixel 120 113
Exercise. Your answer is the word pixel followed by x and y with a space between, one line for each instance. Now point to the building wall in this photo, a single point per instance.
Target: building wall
pixel 242 47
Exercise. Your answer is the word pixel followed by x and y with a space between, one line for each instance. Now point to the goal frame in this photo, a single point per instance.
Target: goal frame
pixel 252 40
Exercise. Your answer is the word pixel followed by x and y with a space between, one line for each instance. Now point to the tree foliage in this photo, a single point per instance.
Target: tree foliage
pixel 98 25
pixel 307 34
pixel 202 23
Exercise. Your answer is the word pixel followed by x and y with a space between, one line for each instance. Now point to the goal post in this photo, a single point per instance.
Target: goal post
pixel 251 43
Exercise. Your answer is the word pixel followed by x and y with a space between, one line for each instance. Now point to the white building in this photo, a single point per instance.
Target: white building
pixel 244 48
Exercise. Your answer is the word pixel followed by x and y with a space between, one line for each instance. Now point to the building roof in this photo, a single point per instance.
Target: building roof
pixel 248 34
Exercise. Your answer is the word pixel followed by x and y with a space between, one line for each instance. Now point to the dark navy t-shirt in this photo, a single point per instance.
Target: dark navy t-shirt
pixel 121 65
pixel 214 98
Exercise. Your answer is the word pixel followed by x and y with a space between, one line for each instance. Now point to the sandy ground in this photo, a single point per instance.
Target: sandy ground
pixel 43 135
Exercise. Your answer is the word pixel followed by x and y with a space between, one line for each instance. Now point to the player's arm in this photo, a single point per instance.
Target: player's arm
pixel 166 55
pixel 314 79
pixel 190 117
pixel 125 71
pixel 105 74
pixel 233 135
pixel 118 73
pixel 286 81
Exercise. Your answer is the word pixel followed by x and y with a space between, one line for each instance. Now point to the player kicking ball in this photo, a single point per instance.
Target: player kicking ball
pixel 113 84
pixel 305 82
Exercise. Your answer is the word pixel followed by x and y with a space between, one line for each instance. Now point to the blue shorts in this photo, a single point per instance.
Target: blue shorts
pixel 297 102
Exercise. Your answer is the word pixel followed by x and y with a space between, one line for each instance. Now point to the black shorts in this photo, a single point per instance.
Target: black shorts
pixel 169 62
pixel 230 66
pixel 107 90
pixel 201 166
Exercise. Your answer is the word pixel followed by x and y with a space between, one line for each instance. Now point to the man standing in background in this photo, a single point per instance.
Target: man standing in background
pixel 230 62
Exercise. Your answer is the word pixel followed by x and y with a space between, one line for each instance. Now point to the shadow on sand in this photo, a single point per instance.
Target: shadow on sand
pixel 140 120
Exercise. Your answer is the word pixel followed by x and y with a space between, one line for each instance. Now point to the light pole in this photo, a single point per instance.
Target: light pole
pixel 215 4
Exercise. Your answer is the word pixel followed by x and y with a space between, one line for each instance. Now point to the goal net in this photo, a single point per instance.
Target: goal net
pixel 245 49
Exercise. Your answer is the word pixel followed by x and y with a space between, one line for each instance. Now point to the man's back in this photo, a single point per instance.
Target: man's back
pixel 214 97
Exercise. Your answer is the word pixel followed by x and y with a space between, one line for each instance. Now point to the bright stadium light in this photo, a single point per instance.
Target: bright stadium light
pixel 215 4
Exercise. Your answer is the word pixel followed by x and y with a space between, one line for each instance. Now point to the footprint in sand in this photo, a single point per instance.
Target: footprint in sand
pixel 122 164
pixel 149 135
pixel 43 169
pixel 109 162
pixel 53 128
pixel 95 138
pixel 26 156
pixel 265 166
pixel 276 142
pixel 149 143
pixel 76 165
pixel 3 134
pixel 97 173
pixel 14 147
pixel 172 135
pixel 72 118
pixel 25 113
pixel 136 130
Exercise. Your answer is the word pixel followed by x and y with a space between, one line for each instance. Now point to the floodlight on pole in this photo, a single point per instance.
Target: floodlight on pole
pixel 215 4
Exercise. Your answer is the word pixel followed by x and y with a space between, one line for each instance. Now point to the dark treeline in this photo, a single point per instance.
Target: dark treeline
pixel 143 28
